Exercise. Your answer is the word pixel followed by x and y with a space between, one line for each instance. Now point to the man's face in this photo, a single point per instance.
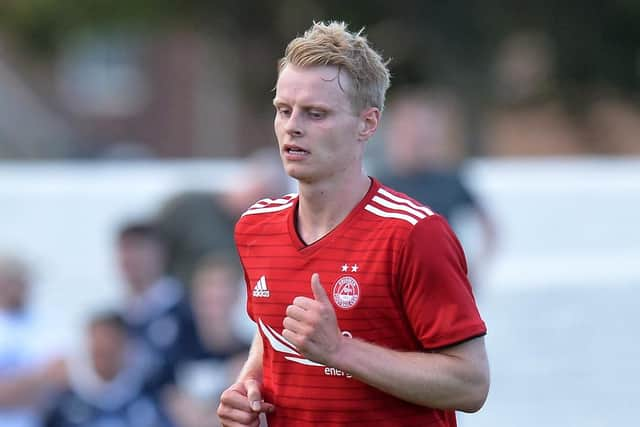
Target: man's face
pixel 141 261
pixel 315 124
pixel 13 292
pixel 420 136
pixel 107 346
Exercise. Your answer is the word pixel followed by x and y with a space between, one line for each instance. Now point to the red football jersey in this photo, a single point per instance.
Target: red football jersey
pixel 396 275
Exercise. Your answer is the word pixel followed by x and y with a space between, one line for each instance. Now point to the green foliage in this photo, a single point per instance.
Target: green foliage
pixel 595 40
pixel 43 24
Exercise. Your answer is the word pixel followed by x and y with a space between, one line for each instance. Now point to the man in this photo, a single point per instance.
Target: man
pixel 364 311
pixel 222 349
pixel 30 368
pixel 107 388
pixel 423 152
pixel 157 312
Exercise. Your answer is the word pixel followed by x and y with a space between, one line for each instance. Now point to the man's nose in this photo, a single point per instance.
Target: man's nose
pixel 294 126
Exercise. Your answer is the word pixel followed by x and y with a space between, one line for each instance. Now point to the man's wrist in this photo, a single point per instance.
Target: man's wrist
pixel 339 357
pixel 249 373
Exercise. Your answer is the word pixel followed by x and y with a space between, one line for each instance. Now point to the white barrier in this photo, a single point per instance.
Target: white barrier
pixel 562 221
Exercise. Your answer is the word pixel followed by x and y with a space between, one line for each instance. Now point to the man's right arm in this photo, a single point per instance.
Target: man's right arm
pixel 242 403
pixel 252 368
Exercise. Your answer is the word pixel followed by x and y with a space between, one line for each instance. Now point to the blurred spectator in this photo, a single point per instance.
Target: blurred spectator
pixel 157 312
pixel 196 223
pixel 529 116
pixel 424 146
pixel 524 68
pixel 107 388
pixel 222 349
pixel 28 372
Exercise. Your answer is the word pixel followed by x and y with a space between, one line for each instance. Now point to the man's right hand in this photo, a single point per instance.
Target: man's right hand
pixel 241 405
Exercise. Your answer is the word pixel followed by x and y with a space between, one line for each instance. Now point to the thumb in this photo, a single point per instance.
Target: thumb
pixel 253 394
pixel 318 291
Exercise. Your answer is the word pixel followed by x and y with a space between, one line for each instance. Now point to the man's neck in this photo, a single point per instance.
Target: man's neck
pixel 323 206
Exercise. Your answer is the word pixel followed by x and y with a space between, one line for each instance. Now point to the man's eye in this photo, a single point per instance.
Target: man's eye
pixel 316 114
pixel 284 111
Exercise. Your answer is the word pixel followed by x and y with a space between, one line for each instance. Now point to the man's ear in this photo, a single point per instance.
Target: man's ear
pixel 369 120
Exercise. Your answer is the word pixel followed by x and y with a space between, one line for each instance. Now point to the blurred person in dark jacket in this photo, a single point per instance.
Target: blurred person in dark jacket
pixel 196 223
pixel 425 135
pixel 30 367
pixel 107 387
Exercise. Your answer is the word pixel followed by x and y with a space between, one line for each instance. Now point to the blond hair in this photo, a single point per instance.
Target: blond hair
pixel 333 44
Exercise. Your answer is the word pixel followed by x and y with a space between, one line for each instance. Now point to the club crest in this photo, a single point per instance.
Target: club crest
pixel 346 292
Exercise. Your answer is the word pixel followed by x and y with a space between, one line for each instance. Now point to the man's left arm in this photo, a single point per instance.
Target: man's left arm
pixel 455 377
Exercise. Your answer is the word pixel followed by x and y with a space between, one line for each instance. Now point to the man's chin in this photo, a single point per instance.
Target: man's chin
pixel 297 174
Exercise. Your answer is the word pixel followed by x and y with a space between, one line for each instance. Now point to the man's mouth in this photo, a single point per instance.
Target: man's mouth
pixel 292 149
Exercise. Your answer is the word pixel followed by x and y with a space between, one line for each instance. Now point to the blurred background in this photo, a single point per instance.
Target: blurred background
pixel 139 130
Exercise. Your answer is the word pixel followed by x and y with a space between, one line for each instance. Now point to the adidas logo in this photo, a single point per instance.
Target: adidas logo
pixel 260 290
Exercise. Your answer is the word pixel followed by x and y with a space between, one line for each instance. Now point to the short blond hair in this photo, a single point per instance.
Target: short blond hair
pixel 333 44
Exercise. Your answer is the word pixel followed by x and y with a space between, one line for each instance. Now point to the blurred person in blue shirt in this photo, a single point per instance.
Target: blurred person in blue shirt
pixel 107 387
pixel 30 367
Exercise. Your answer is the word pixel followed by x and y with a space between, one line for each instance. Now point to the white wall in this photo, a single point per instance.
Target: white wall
pixel 567 221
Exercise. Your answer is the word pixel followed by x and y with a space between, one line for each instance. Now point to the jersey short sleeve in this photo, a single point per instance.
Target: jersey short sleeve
pixel 435 290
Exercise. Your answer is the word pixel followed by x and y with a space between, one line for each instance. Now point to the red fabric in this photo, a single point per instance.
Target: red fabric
pixel 412 295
